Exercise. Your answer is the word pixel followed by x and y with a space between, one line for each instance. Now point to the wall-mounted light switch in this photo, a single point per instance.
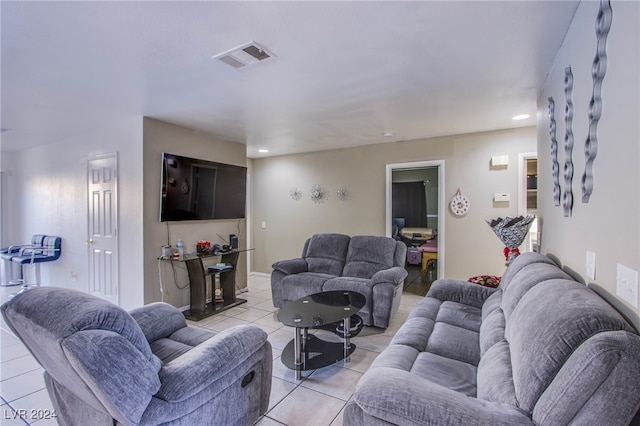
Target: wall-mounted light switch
pixel 627 285
pixel 264 224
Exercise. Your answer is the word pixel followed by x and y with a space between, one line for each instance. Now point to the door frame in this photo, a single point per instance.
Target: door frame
pixel 522 179
pixel 390 168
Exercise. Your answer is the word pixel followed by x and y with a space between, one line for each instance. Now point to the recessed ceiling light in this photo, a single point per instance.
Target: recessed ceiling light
pixel 263 150
pixel 387 134
pixel 520 117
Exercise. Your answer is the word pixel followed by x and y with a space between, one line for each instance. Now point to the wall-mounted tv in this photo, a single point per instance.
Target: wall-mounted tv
pixel 194 189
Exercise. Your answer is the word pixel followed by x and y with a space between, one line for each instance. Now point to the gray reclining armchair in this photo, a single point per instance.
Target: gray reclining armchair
pixel 104 366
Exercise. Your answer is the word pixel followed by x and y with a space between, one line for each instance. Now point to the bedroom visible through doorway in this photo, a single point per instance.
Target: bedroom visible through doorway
pixel 415 217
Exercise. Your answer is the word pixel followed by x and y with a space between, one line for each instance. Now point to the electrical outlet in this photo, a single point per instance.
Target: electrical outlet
pixel 627 285
pixel 591 265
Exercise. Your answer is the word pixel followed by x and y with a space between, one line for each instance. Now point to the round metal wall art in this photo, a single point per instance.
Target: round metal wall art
pixel 342 193
pixel 318 194
pixel 295 193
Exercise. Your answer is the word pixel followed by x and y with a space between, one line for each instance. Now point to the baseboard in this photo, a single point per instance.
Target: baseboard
pixel 260 274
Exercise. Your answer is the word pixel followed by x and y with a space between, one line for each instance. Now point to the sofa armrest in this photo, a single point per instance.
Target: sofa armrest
pixel 395 275
pixel 209 362
pixel 460 291
pixel 291 266
pixel 400 397
pixel 158 320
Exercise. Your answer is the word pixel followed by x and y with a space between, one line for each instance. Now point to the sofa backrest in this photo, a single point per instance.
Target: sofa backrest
pixel 520 262
pixel 326 253
pixel 569 349
pixel 92 347
pixel 528 275
pixel 556 349
pixel 368 254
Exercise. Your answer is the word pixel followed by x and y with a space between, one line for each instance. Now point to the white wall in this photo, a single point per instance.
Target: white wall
pixel 48 195
pixel 609 224
pixel 471 247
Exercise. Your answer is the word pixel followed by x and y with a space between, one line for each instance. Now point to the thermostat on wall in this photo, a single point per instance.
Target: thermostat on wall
pixel 501 196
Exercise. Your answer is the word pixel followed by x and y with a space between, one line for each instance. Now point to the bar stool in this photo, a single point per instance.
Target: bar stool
pixel 13 272
pixel 48 252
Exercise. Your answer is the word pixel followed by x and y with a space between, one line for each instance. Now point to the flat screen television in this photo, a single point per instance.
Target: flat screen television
pixel 194 189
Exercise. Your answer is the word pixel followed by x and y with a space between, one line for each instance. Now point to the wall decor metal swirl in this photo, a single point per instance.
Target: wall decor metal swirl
pixel 598 70
pixel 567 194
pixel 555 166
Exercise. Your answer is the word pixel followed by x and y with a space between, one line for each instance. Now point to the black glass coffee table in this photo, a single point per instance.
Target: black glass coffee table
pixel 320 310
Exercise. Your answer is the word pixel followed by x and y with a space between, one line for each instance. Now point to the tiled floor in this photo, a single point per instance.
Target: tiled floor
pixel 327 390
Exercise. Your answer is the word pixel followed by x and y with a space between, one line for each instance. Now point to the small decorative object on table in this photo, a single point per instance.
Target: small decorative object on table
pixel 203 247
pixel 511 232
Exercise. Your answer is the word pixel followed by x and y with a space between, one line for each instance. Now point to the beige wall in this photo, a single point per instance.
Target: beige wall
pixel 609 224
pixel 471 246
pixel 162 137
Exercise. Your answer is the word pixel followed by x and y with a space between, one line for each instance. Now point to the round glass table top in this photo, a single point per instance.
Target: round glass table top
pixel 323 308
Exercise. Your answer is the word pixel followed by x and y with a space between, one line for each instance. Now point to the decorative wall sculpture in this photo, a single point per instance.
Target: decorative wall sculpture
pixel 318 194
pixel 342 193
pixel 567 194
pixel 296 194
pixel 555 166
pixel 598 70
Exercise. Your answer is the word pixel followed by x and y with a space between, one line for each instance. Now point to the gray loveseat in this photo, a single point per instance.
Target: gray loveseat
pixel 104 366
pixel 370 265
pixel 541 349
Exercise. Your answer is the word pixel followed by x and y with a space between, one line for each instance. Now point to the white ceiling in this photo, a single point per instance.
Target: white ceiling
pixel 345 72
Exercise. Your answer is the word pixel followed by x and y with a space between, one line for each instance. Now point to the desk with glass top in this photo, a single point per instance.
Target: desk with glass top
pixel 198 306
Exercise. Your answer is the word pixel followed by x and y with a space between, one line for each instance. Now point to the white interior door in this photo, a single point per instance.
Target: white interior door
pixel 102 176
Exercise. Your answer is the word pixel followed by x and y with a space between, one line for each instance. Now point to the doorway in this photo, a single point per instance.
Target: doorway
pixel 421 208
pixel 528 196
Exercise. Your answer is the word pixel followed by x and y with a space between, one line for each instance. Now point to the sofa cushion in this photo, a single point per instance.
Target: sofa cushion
pixel 455 343
pixel 520 262
pixel 326 253
pixel 491 330
pixel 367 255
pixel 452 374
pixel 359 285
pixel 526 278
pixel 460 315
pixel 304 284
pixel 495 378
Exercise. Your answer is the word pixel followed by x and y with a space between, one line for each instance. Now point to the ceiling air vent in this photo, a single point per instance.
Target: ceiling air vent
pixel 245 55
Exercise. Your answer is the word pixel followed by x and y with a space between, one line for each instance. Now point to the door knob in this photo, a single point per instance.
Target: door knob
pixel 89 241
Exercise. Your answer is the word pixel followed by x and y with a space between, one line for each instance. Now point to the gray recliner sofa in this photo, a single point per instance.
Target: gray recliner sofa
pixel 541 349
pixel 370 265
pixel 104 366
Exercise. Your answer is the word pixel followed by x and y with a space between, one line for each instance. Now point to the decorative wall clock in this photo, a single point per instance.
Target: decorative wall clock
pixel 459 204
